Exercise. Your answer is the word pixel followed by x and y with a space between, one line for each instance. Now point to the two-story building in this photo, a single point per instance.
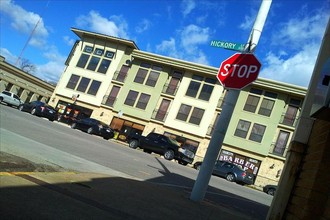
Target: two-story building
pixel 26 86
pixel 110 79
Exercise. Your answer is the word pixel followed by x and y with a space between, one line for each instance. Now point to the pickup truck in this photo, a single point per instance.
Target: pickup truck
pixel 161 144
pixel 10 98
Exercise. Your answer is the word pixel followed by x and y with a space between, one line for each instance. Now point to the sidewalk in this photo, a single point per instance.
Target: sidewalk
pixel 75 195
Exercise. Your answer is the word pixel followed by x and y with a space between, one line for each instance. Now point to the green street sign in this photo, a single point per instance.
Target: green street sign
pixel 227 45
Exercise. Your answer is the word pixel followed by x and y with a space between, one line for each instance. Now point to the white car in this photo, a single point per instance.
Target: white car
pixel 10 98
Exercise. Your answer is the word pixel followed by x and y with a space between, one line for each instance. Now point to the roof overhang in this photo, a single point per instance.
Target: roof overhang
pixel 83 34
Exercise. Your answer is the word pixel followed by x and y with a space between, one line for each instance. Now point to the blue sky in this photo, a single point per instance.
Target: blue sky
pixel 181 29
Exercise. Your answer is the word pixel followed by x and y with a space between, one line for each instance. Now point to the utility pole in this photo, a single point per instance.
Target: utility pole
pixel 204 175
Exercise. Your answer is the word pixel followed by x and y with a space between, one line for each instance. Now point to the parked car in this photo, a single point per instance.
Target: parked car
pixel 40 109
pixel 93 126
pixel 161 144
pixel 230 171
pixel 270 189
pixel 11 99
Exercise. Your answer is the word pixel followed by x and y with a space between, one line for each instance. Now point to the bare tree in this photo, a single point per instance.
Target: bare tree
pixel 27 66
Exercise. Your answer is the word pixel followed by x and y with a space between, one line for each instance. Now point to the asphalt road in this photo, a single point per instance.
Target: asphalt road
pixel 57 145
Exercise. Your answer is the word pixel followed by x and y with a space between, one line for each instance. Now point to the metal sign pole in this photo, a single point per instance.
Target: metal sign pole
pixel 204 175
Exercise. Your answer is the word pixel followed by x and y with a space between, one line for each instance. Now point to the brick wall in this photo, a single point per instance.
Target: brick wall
pixel 310 195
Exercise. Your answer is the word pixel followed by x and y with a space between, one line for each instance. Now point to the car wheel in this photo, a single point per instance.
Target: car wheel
pixel 90 130
pixel 106 138
pixel 133 144
pixel 33 111
pixel 20 107
pixel 169 154
pixel 198 167
pixel 1 99
pixel 271 192
pixel 230 177
pixel 73 125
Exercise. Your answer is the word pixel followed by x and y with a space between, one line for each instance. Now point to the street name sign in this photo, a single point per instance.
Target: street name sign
pixel 238 71
pixel 227 45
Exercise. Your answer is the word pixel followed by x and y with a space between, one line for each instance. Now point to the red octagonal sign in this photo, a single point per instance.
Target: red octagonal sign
pixel 238 71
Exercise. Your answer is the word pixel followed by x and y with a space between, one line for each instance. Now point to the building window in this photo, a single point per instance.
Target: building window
pixel 151 72
pixel 93 63
pixel 291 112
pixel 112 96
pixel 131 97
pixel 152 78
pixel 109 54
pixel 83 60
pixel 281 143
pixel 196 116
pixel 242 128
pixel 143 101
pixel 122 73
pixel 162 111
pixel 194 86
pixel 140 76
pixel 204 92
pixel 9 86
pixel 73 82
pixel 266 107
pixel 257 132
pixel 172 87
pixel 251 103
pixel 267 103
pixel 88 49
pixel 83 84
pixel 104 66
pixel 183 112
pixel 94 87
pixel 98 52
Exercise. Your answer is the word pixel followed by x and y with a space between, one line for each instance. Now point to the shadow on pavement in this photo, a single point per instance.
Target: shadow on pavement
pixel 70 195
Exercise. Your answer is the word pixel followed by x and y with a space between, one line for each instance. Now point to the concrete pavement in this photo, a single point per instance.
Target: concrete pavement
pixel 80 195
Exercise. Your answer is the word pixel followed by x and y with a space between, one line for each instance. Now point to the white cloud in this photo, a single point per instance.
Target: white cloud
pixel 168 47
pixel 193 35
pixel 187 47
pixel 299 31
pixel 26 22
pixel 52 70
pixel 10 58
pixel 296 69
pixel 187 6
pixel 69 41
pixel 143 26
pixel 295 46
pixel 114 26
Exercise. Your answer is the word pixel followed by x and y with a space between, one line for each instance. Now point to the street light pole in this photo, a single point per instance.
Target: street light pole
pixel 204 175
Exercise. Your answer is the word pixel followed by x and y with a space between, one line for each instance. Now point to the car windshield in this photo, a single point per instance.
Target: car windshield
pixel 173 141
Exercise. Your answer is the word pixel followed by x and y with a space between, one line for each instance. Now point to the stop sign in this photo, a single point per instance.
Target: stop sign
pixel 238 71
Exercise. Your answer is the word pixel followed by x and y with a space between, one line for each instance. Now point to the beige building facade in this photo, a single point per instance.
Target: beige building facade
pixel 26 86
pixel 110 79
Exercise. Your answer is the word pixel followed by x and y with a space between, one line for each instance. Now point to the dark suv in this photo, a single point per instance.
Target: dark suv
pixel 161 144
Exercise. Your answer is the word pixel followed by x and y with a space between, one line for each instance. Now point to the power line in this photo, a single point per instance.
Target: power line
pixel 30 36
